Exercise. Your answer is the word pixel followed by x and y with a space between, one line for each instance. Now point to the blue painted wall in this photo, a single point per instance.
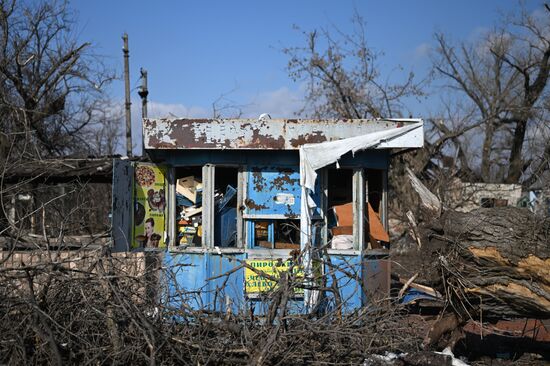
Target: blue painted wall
pixel 265 183
pixel 189 280
pixel 190 271
pixel 344 271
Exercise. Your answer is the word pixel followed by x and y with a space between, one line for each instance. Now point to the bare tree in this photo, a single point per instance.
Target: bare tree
pixel 343 78
pixel 224 106
pixel 501 82
pixel 105 134
pixel 50 83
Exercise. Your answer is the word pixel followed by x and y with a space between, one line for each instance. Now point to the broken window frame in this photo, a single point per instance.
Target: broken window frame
pixel 360 200
pixel 376 183
pixel 208 210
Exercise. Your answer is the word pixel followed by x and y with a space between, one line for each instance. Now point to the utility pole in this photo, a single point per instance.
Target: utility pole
pixel 143 92
pixel 128 104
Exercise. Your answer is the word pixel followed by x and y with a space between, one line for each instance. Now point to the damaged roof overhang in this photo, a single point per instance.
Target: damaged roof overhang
pixel 60 170
pixel 265 134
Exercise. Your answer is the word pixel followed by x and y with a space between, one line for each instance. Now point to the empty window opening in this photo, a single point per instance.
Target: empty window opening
pixel 375 188
pixel 340 208
pixel 376 236
pixel 493 202
pixel 340 187
pixel 225 206
pixel 488 202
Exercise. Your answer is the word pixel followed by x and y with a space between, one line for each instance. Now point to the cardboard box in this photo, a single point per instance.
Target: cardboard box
pixel 190 187
pixel 342 230
pixel 344 214
pixel 344 221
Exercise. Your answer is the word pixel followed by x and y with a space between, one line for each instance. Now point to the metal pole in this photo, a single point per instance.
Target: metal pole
pixel 128 104
pixel 143 93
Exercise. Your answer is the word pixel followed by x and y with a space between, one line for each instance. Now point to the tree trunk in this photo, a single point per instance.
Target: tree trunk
pixel 495 261
pixel 516 156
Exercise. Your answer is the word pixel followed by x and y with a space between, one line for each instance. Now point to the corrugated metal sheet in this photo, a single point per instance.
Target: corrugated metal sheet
pixel 271 134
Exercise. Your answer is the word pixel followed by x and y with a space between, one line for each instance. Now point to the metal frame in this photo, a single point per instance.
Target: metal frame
pixel 171 207
pixel 384 203
pixel 323 177
pixel 360 198
pixel 359 193
pixel 240 207
pixel 208 183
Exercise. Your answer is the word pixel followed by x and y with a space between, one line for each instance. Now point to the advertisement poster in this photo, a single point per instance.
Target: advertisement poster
pixel 256 282
pixel 149 206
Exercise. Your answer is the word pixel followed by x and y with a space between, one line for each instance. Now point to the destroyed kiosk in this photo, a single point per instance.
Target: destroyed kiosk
pixel 226 201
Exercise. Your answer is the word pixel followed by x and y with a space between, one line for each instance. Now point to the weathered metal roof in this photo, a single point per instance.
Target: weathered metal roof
pixel 263 134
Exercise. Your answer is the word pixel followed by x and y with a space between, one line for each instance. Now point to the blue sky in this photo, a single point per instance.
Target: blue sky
pixel 196 51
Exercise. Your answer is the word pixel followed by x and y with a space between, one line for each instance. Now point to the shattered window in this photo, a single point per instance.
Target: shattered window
pixel 340 209
pixel 225 206
pixel 376 236
pixel 276 234
pixel 487 202
pixel 189 207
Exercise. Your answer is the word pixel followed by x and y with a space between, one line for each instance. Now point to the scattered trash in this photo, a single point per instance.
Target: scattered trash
pixel 189 206
pixel 455 361
pixel 191 188
pixel 421 358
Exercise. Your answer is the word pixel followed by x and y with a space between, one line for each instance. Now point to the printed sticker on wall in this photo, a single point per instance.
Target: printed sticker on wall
pixel 149 206
pixel 284 199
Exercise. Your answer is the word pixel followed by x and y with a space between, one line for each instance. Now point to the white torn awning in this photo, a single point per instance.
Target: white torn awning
pixel 317 156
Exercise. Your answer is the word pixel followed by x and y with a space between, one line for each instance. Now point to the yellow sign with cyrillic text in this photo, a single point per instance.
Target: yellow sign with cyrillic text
pixel 257 279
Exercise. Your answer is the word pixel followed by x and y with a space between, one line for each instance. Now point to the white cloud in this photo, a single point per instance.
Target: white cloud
pixel 279 103
pixel 161 110
pixel 422 50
